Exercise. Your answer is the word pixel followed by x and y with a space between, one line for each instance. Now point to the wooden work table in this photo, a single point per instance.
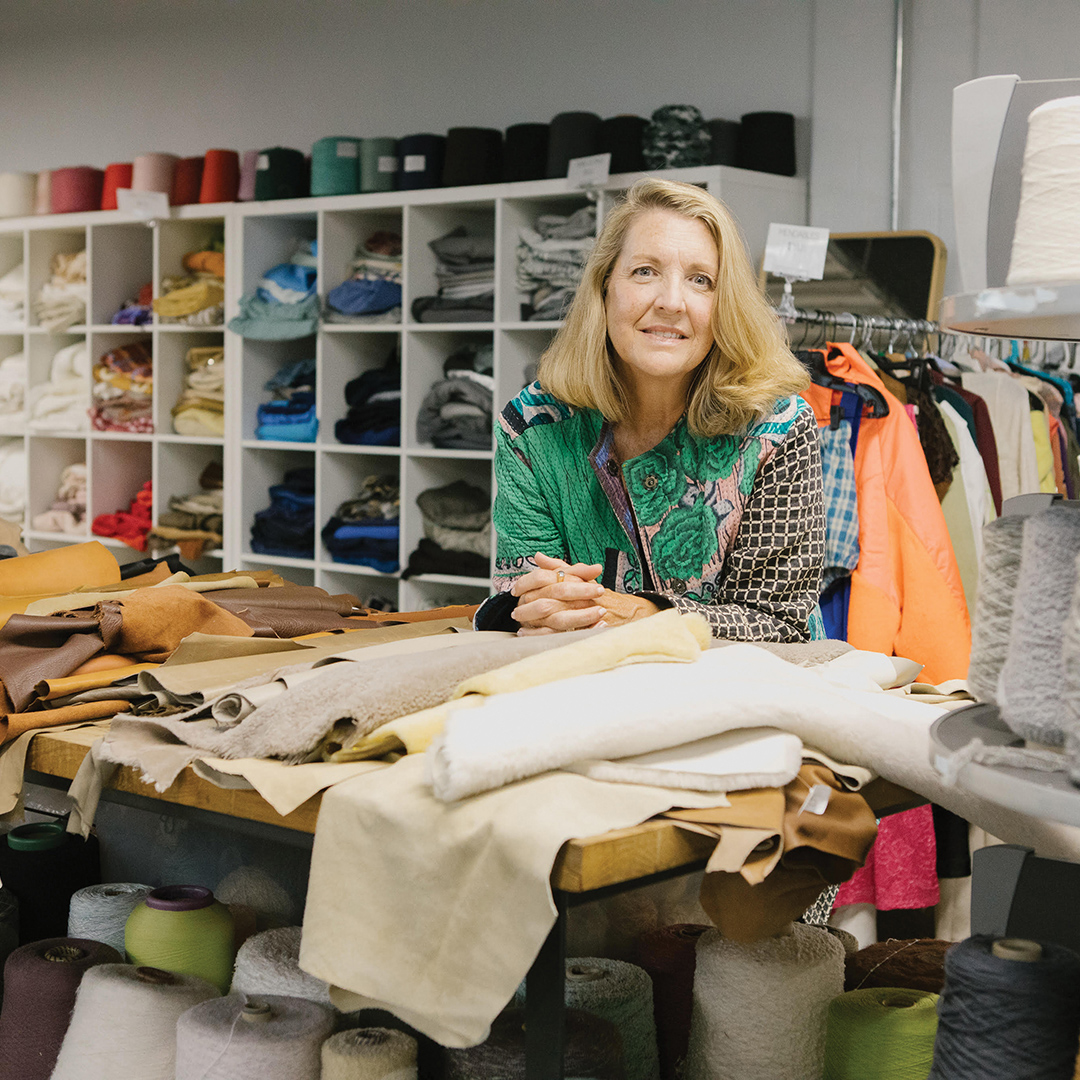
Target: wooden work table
pixel 597 862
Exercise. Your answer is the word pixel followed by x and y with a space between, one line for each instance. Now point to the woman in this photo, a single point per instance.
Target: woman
pixel 663 457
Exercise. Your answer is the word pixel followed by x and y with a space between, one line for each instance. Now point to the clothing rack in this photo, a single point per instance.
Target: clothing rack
pixel 860 330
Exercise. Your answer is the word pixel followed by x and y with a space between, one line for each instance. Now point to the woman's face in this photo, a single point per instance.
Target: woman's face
pixel 660 295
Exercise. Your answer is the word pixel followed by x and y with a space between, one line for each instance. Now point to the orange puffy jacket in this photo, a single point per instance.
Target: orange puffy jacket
pixel 906 595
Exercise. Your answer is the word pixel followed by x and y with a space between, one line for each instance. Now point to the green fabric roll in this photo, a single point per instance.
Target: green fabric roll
pixel 378 164
pixel 335 166
pixel 281 173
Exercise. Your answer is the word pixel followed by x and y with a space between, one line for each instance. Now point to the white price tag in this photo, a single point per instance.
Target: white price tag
pixel 387 164
pixel 415 162
pixel 589 172
pixel 817 802
pixel 263 163
pixel 147 205
pixel 348 149
pixel 796 251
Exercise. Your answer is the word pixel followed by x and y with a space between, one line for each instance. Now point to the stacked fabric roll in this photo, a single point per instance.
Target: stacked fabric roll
pixel 289 415
pixel 68 512
pixel 12 394
pixel 365 530
pixel 196 298
pixel 373 293
pixel 193 522
pixel 61 301
pixel 465 271
pixel 61 403
pixel 374 400
pixel 287 526
pixel 200 409
pixel 551 259
pixel 335 166
pixel 280 173
pixel 456 412
pixel 122 396
pixel 284 305
pixel 138 310
pixel 13 298
pixel 269 963
pixel 677 137
pixel 129 525
pixel 17 190
pixel 457 532
pixel 12 480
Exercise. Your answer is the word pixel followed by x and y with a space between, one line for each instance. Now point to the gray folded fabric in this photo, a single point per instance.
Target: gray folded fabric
pixel 459 505
pixel 455 432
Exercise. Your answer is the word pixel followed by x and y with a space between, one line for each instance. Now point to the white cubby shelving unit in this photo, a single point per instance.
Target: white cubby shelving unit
pixel 124 254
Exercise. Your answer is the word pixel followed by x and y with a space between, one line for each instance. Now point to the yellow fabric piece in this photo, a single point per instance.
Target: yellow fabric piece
pixel 666 636
pixel 1044 455
pixel 188 300
pixel 198 421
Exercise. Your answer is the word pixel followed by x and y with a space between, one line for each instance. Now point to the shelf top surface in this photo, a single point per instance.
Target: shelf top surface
pixel 1048 311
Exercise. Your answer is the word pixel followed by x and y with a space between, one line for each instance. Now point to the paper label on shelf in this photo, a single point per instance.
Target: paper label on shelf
pixel 387 164
pixel 796 251
pixel 415 162
pixel 589 172
pixel 147 205
pixel 262 163
pixel 348 149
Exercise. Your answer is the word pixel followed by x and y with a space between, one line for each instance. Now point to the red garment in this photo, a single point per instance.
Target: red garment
pixel 131 525
pixel 984 436
pixel 900 871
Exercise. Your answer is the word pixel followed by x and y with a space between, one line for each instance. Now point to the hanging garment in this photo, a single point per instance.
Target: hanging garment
pixel 983 432
pixel 1044 456
pixel 841 502
pixel 961 530
pixel 1010 412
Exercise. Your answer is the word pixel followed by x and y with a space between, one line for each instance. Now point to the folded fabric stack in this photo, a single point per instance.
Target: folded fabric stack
pixel 12 298
pixel 457 532
pixel 12 394
pixel 138 311
pixel 61 403
pixel 198 297
pixel 364 531
pixel 123 390
pixel 290 414
pixel 193 522
pixel 12 480
pixel 373 293
pixel 68 513
pixel 287 526
pixel 129 525
pixel 200 409
pixel 465 270
pixel 551 259
pixel 374 400
pixel 285 305
pixel 456 412
pixel 62 300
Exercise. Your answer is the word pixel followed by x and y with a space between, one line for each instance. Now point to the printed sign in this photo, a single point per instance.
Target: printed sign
pixel 796 251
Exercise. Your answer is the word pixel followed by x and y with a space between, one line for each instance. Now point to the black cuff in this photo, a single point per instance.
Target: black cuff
pixel 494 613
pixel 659 599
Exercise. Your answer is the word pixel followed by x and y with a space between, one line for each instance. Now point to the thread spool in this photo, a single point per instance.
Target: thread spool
pixel 676 138
pixel 767 142
pixel 1032 681
pixel 474 155
pixel 760 1008
pixel 43 193
pixel 280 173
pixel 913 964
pixel 44 866
pixel 117 175
pixel 571 135
pixel 100 912
pixel 256 889
pixel 221 176
pixel 378 164
pixel 124 1023
pixel 1000 1016
pixel 40 982
pixel 9 928
pixel 668 955
pixel 76 190
pixel 183 929
pixel 998 575
pixel 622 137
pixel 593 1048
pixel 369 1053
pixel 525 150
pixel 420 161
pixel 269 963
pixel 1048 222
pixel 187 181
pixel 154 172
pixel 724 145
pixel 17 194
pixel 274 1037
pixel 249 165
pixel 881 1034
pixel 335 166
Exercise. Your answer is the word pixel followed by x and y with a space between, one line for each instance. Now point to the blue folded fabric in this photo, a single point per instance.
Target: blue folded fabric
pixel 305 430
pixel 364 297
pixel 387 436
pixel 366 532
pixel 263 320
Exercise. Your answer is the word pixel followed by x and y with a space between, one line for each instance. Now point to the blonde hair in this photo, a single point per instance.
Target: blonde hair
pixel 747 370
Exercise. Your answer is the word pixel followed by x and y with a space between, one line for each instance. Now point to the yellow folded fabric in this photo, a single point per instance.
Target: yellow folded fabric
pixel 665 637
pixel 191 298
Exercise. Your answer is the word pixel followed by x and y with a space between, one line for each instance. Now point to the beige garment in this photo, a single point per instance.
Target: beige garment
pixel 447 959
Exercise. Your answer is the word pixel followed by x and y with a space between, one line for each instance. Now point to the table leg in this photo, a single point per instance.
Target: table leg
pixel 545 1008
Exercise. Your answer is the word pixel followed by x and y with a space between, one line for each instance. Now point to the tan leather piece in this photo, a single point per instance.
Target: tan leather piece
pixel 453 611
pixel 102 662
pixel 12 725
pixel 47 573
pixel 48 689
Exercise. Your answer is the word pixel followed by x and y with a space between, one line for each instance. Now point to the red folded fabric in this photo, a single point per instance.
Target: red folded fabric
pixel 117 175
pixel 131 525
pixel 187 181
pixel 76 189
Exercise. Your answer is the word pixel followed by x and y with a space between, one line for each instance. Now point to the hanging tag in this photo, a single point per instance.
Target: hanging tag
pixel 387 164
pixel 415 162
pixel 146 205
pixel 817 801
pixel 796 251
pixel 348 150
pixel 589 172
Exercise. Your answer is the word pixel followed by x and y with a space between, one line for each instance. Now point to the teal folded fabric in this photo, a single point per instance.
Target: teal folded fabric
pixel 378 164
pixel 266 321
pixel 335 166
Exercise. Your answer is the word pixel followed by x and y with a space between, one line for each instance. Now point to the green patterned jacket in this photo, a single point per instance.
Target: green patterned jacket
pixel 732 527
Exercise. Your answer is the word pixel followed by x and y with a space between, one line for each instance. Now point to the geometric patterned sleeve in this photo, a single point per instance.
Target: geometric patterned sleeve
pixel 772 574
